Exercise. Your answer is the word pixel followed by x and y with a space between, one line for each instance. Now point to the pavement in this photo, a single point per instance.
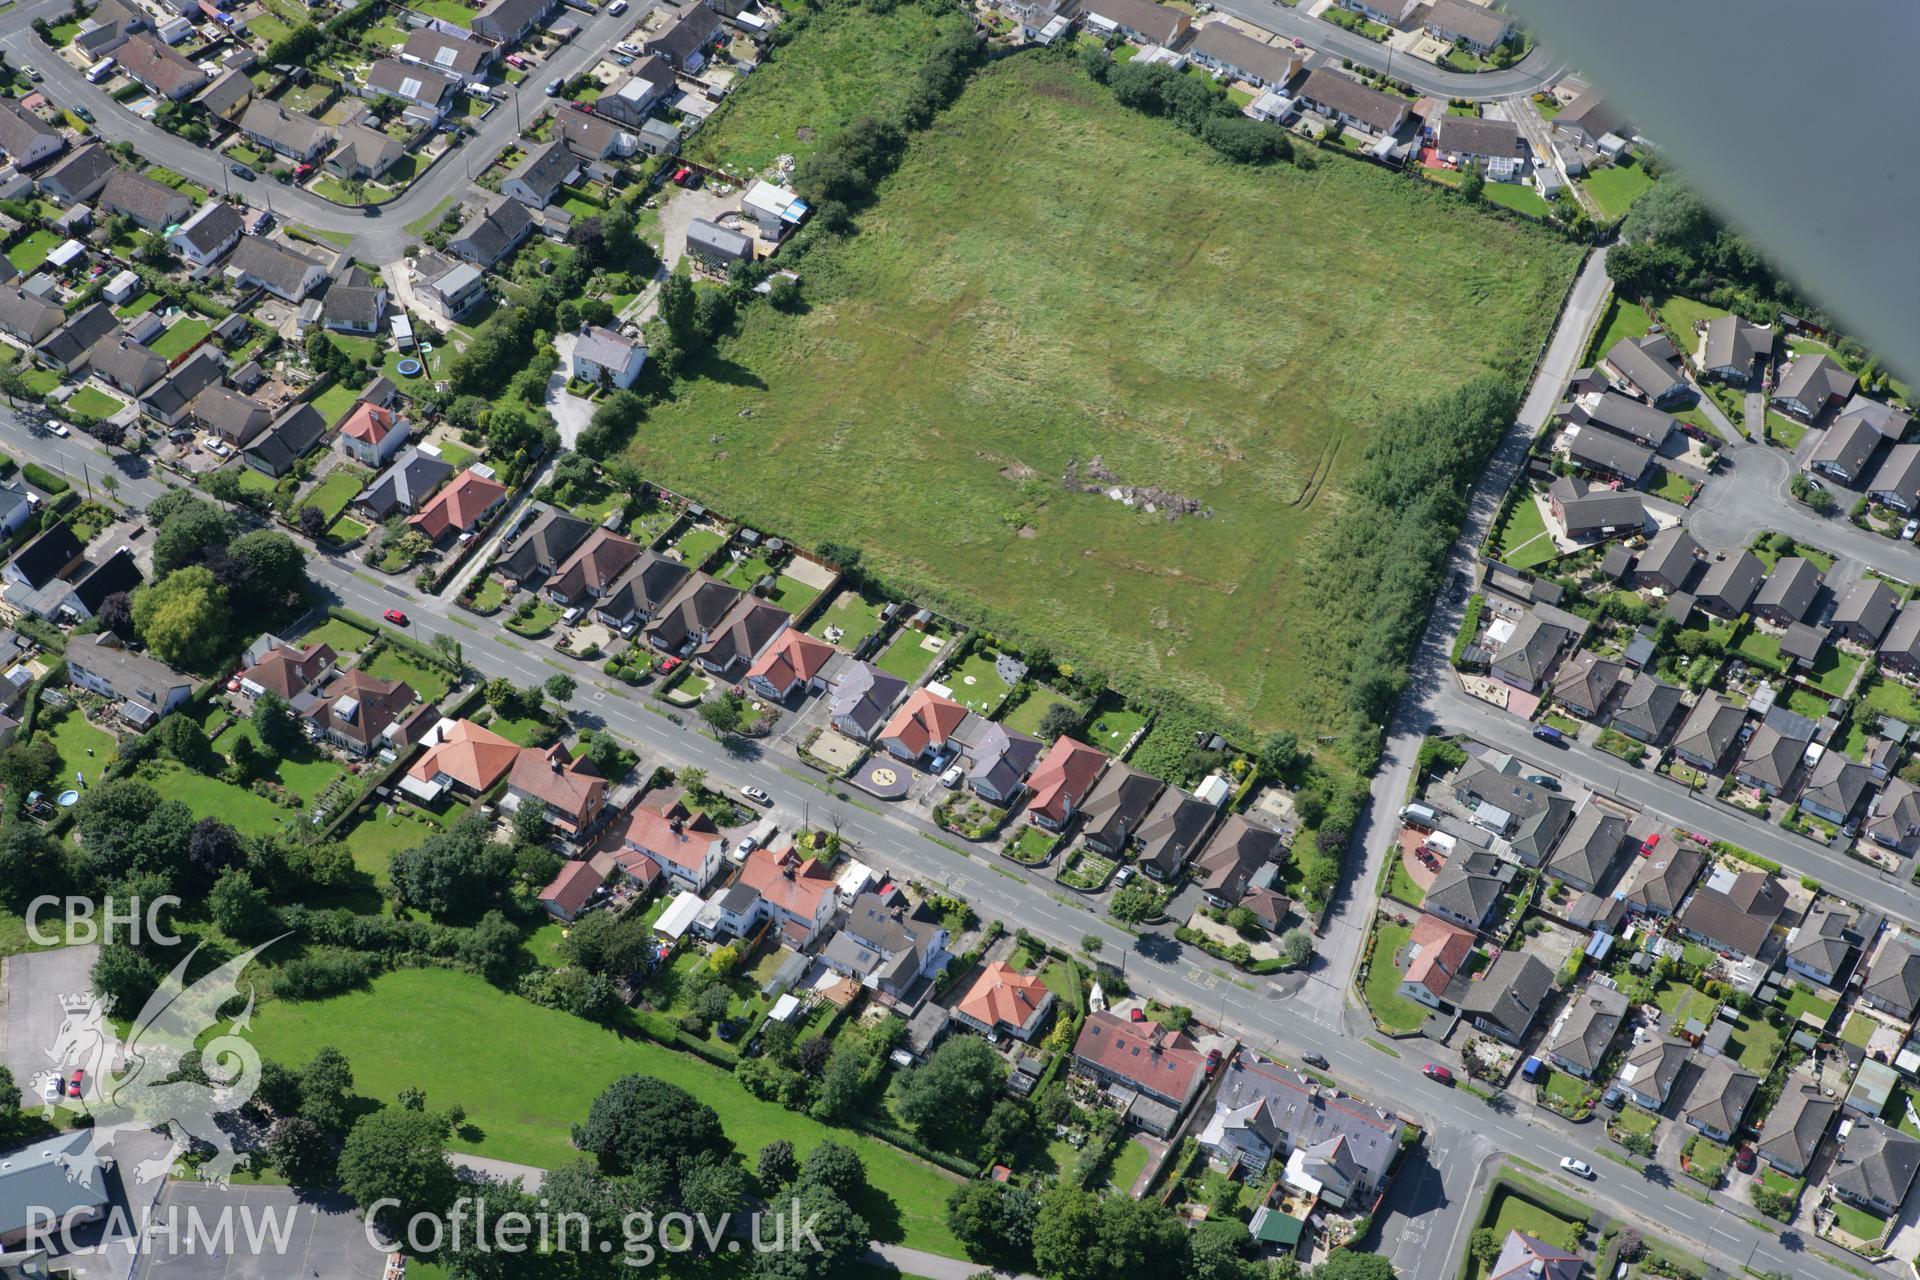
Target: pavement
pixel 32 984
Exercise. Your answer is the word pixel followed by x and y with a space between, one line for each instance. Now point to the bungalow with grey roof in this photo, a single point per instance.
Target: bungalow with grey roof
pixel 1658 884
pixel 427 93
pixel 1721 1093
pixel 448 54
pixel 205 238
pixel 1668 564
pixel 1890 422
pixel 363 153
pixel 1893 821
pixel 1863 612
pixel 1835 787
pixel 299 138
pixel 1734 911
pixel 1893 975
pixel 1896 482
pixel 1790 1137
pixel 80 176
pixel 1477 26
pixel 642 591
pixel 1788 593
pixel 1113 811
pixel 1729 584
pixel 539 551
pixel 1844 450
pixel 536 180
pixel 715 247
pixel 403 487
pixel 863 697
pixel 1587 119
pixel 631 101
pixel 159 68
pixel 1528 657
pixel 1648 1074
pixel 1584 682
pixel 225 97
pixel 1647 709
pixel 26 317
pixel 142 199
pixel 1802 643
pixel 1140 21
pixel 67 347
pixel 1732 345
pixel 1900 648
pixel 281 271
pixel 1585 512
pixel 1604 453
pixel 1504 1001
pixel 125 365
pixel 1583 1035
pixel 227 413
pixel 1535 835
pixel 1821 947
pixel 1810 384
pixel 1624 416
pixel 1351 103
pixel 26 138
pixel 1172 831
pixel 1873 1168
pixel 998 759
pixel 492 233
pixel 1496 147
pixel 1770 760
pixel 1220 47
pixel 1392 13
pixel 291 437
pixel 1469 887
pixel 169 400
pixel 1588 852
pixel 507 22
pixel 1649 367
pixel 684 41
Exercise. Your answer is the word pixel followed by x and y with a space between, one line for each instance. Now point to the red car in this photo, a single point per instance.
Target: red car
pixel 302 170
pixel 1434 1071
pixel 396 617
pixel 1743 1160
pixel 73 1085
pixel 1653 842
pixel 669 664
pixel 586 107
pixel 1213 1061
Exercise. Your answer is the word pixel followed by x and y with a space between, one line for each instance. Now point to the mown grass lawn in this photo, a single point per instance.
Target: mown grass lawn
pixel 95 403
pixel 1617 186
pixel 1517 196
pixel 180 338
pixel 84 749
pixel 333 494
pixel 1858 1223
pixel 1113 728
pixel 32 250
pixel 1525 542
pixel 376 838
pixel 923 345
pixel 1508 1212
pixel 1624 319
pixel 526 1074
pixel 334 402
pixel 343 636
pixel 976 684
pixel 1026 717
pixel 1395 1011
pixel 907 655
pixel 850 62
pixel 431 683
pixel 855 616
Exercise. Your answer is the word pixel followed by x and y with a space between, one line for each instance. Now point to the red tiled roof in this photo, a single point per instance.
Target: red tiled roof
pixel 1062 777
pixel 793 658
pixel 1002 994
pixel 369 422
pixel 1164 1063
pixel 925 720
pixel 1441 949
pixel 287 670
pixel 568 785
pixel 787 881
pixel 470 754
pixel 573 887
pixel 651 831
pixel 458 505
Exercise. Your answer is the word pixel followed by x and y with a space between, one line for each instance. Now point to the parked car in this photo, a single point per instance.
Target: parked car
pixel 33 74
pixel 1547 733
pixel 1542 780
pixel 1316 1059
pixel 239 170
pixel 553 87
pixel 1434 1071
pixel 617 8
pixel 84 114
pixel 756 795
pixel 627 46
pixel 1910 528
pixel 58 427
pixel 1578 1168
pixel 1652 843
pixel 52 1091
pixel 396 617
pixel 1613 1099
pixel 1743 1159
pixel 73 1085
pixel 1122 877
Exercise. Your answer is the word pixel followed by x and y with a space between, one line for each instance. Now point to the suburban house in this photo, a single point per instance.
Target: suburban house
pixel 372 435
pixel 360 713
pixel 1734 911
pixel 1722 1090
pixel 1479 27
pixel 427 94
pixel 28 318
pixel 1351 103
pixel 363 153
pixel 920 730
pixel 536 180
pixel 450 289
pixel 1896 482
pixel 14 510
pixel 1874 1166
pixel 300 138
pixel 1061 781
pixel 1435 951
pixel 642 591
pixel 290 438
pixel 749 627
pixel 462 758
pixel 633 99
pixel 354 304
pixel 685 620
pixel 1391 13
pixel 1811 383
pixel 1729 584
pixel 590 571
pixel 79 177
pixel 499 228
pixel 1583 1035
pixel 590 137
pixel 604 357
pixel 507 22
pixel 1647 709
pixel 542 547
pixel 1835 787
pixel 1863 612
pixel 170 399
pixel 1116 807
pixel 1791 1135
pixel 1731 347
pixel 1894 820
pixel 1587 119
pixel 287 671
pixel 125 365
pixel 1505 1001
pixel 1669 562
pixel 1521 1256
pixel 1496 147
pixel 405 485
pixel 1648 367
pixel 1643 424
pixel 205 238
pixel 571 891
pixel 140 198
pixel 1584 682
pixel 1469 887
pixel 998 760
pixel 1788 594
pixel 1890 422
pixel 448 54
pixel 55 554
pixel 795 660
pixel 686 845
pixel 888 949
pixel 1587 853
pixel 279 270
pixel 1709 732
pixel 460 507
pixel 1004 1001
pixel 1140 21
pixel 1238 856
pixel 1604 453
pixel 571 793
pixel 1770 760
pixel 1660 883
pixel 26 138
pixel 1142 1063
pixel 67 347
pixel 863 698
pixel 1585 512
pixel 1222 48
pixel 1500 798
pixel 227 95
pixel 1338 1146
pixel 794 894
pixel 684 42
pixel 1844 450
pixel 1821 946
pixel 1527 658
pixel 1893 975
pixel 145 688
pixel 159 69
pixel 1648 1074
pixel 1171 832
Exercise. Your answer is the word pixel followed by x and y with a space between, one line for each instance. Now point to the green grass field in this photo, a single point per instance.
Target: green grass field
pixel 1026 717
pixel 1395 1011
pixel 1525 542
pixel 95 403
pixel 375 839
pixel 32 250
pixel 180 338
pixel 1624 319
pixel 74 738
pixel 976 685
pixel 855 616
pixel 334 493
pixel 851 61
pixel 980 356
pixel 907 656
pixel 334 402
pixel 431 683
pixel 1616 187
pixel 527 1074
pixel 343 636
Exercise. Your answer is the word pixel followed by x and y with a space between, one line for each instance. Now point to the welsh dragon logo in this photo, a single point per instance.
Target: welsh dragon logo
pixel 138 1085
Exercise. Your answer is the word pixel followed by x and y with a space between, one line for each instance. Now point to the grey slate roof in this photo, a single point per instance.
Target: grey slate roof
pixel 1899 473
pixel 1586 679
pixel 1118 803
pixel 125 363
pixel 1377 110
pixel 1902 640
pixel 1893 978
pixel 1741 916
pixel 1876 1163
pixel 1509 994
pixel 35 1186
pixel 1535 836
pixel 299 135
pixel 178 391
pixel 1532 648
pixel 1671 554
pixel 1172 831
pixel 1730 582
pixel 866 694
pixel 141 198
pixel 1733 343
pixel 1790 588
pixel 274 264
pixel 226 412
pixel 1868 604
pixel 545 544
pixel 1847 446
pixel 1802 641
pixel 1002 757
pixel 1796 1124
pixel 1888 421
pixel 648 584
pixel 69 344
pixel 1597 449
pixel 1660 882
pixel 292 435
pixel 1591 846
pixel 1895 821
pixel 686 35
pixel 1588 1027
pixel 215 224
pixel 1721 1090
pixel 1470 135
pixel 1653 1066
pixel 445 53
pixel 26 317
pixel 1649 366
pixel 1711 728
pixel 494 230
pixel 717 240
pixel 1813 380
pixel 1269 64
pixel 546 168
pixel 1836 782
pixel 1468 886
pixel 1821 941
pixel 1648 706
pixel 404 485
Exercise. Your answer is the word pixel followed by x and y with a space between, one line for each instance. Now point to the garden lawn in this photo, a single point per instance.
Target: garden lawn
pixel 907 655
pixel 1858 1029
pixel 1617 186
pixel 138 307
pixel 1508 1212
pixel 1113 728
pixel 1833 671
pixel 1525 542
pixel 346 530
pixel 431 683
pixel 1026 717
pixel 1891 698
pixel 40 381
pixel 32 250
pixel 1784 431
pixel 790 594
pixel 851 61
pixel 73 736
pixel 976 684
pixel 1624 319
pixel 918 347
pixel 453 11
pixel 491 595
pixel 94 402
pixel 1801 1001
pixel 1679 1003
pixel 376 838
pixel 1858 1223
pixel 343 636
pixel 464 1041
pixel 1128 1164
pixel 1679 315
pixel 1517 196
pixel 697 544
pixel 1394 1011
pixel 178 340
pixel 856 616
pixel 1400 885
pixel 334 493
pixel 1756 1042
pixel 1672 486
pixel 334 402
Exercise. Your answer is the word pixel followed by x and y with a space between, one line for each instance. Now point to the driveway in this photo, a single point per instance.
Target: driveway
pixel 570 413
pixel 34 983
pixel 277 1232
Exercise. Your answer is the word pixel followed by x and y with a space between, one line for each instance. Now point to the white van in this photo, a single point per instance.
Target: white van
pixel 100 70
pixel 1421 815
